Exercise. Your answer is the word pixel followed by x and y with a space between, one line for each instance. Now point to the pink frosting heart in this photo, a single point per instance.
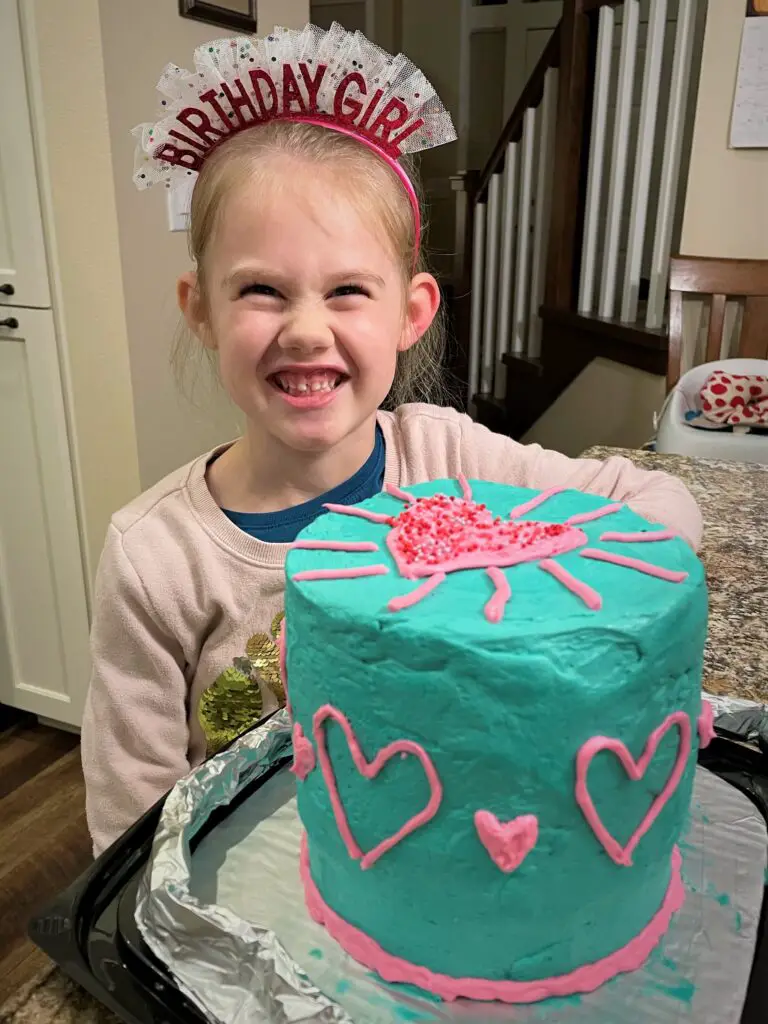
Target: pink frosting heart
pixel 635 770
pixel 507 842
pixel 369 770
pixel 441 533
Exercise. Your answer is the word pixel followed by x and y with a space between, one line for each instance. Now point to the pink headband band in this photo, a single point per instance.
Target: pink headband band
pixel 390 161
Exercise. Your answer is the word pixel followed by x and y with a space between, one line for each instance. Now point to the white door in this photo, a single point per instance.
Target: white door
pixel 43 620
pixel 23 273
pixel 44 662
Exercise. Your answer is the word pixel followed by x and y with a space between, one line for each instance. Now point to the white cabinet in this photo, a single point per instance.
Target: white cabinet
pixel 23 274
pixel 43 617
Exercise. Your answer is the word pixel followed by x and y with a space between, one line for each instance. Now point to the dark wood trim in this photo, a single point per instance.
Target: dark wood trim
pixel 572 104
pixel 714 276
pixel 523 365
pixel 630 344
pixel 594 5
pixel 214 14
pixel 606 327
pixel 531 96
pixel 491 412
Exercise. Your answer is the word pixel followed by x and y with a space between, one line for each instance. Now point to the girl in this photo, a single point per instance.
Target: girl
pixel 308 287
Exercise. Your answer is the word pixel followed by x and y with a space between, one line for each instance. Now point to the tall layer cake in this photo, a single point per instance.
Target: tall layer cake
pixel 496 705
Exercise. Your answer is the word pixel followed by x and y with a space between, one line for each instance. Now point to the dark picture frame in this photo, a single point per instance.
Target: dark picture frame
pixel 216 14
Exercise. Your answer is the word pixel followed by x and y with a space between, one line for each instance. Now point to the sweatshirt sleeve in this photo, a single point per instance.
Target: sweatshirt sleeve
pixel 657 496
pixel 134 736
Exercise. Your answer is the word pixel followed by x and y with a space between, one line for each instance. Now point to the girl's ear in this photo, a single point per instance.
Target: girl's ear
pixel 422 305
pixel 192 307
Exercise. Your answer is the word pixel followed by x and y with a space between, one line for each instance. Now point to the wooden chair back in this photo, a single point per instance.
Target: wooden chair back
pixel 721 280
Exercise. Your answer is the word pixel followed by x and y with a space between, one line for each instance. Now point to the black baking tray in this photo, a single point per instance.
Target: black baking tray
pixel 90 929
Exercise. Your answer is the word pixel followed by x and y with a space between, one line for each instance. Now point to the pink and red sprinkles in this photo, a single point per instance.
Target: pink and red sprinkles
pixel 442 528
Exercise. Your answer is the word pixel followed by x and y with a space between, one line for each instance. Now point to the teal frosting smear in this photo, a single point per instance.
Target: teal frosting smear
pixel 502 710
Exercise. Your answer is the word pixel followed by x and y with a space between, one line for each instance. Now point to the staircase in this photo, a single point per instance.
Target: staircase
pixel 563 239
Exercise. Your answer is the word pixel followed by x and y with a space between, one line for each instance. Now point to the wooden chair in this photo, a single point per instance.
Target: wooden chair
pixel 721 280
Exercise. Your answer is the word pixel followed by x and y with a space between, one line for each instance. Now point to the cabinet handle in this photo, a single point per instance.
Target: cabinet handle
pixel 7 289
pixel 10 321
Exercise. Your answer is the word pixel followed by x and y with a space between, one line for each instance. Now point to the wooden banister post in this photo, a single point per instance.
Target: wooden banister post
pixel 573 101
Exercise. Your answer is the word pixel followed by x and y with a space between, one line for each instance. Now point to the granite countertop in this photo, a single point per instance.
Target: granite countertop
pixel 733 497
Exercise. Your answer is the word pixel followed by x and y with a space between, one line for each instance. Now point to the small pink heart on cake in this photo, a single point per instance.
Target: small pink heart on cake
pixel 369 770
pixel 622 855
pixel 443 533
pixel 508 842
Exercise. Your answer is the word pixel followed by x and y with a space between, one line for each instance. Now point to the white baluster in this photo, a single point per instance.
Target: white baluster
pixel 646 138
pixel 623 113
pixel 596 157
pixel 670 168
pixel 506 267
pixel 475 330
pixel 519 320
pixel 476 308
pixel 544 183
pixel 490 299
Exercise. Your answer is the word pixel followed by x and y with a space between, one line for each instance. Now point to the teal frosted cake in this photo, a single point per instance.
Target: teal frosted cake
pixel 496 704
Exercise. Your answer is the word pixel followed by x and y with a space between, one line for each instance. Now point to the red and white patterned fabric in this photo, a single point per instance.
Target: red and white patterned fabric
pixel 735 400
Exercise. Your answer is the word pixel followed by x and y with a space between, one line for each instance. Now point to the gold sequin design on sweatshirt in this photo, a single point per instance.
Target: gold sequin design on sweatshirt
pixel 233 703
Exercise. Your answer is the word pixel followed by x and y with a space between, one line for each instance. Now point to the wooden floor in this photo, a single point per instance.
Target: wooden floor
pixel 44 843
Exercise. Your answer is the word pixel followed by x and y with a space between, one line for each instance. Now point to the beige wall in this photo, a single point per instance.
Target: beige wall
pixel 431 38
pixel 138 44
pixel 607 404
pixel 72 138
pixel 726 209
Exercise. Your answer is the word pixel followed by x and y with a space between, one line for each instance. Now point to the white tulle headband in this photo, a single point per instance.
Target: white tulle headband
pixel 337 79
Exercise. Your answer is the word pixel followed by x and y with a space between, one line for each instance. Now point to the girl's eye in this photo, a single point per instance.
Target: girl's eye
pixel 258 289
pixel 348 289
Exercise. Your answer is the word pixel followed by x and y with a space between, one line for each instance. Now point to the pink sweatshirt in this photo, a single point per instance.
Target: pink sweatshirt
pixel 181 591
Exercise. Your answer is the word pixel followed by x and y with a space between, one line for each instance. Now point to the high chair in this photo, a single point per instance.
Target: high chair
pixel 746 282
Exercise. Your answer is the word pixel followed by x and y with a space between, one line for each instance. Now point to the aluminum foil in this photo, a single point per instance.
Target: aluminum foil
pixel 730 705
pixel 230 923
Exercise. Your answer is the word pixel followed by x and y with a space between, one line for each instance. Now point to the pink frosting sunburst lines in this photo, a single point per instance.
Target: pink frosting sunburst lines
pixel 582 590
pixel 627 562
pixel 340 574
pixel 395 492
pixel 397 604
pixel 595 513
pixel 494 608
pixel 532 503
pixel 360 513
pixel 334 545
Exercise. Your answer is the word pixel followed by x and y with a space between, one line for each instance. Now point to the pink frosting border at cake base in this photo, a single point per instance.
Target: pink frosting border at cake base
pixel 393 969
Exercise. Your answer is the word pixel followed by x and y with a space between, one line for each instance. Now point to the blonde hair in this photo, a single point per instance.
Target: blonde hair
pixel 374 188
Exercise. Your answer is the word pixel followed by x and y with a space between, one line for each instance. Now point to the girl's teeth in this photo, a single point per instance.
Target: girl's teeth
pixel 303 386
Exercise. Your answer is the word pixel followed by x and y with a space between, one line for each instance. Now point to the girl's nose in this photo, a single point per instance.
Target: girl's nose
pixel 306 331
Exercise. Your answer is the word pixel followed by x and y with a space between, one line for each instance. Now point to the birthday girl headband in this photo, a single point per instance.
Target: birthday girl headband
pixel 336 79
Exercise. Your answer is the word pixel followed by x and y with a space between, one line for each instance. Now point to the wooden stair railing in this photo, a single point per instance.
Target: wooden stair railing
pixel 529 382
